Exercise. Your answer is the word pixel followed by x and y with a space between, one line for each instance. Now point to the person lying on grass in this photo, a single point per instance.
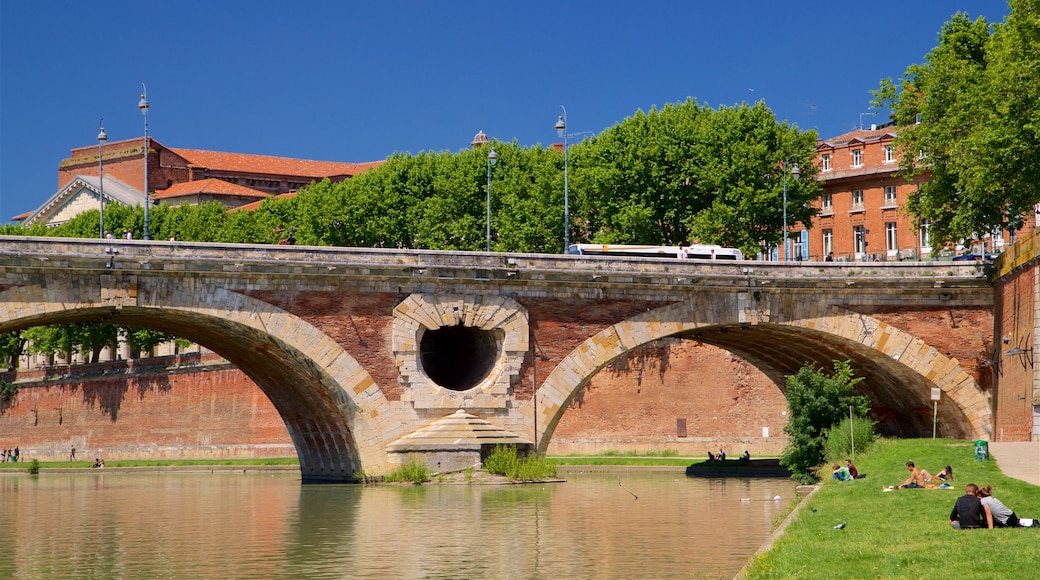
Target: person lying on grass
pixel 969 512
pixel 946 474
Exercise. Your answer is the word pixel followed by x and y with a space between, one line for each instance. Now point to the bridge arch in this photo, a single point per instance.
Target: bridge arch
pixel 899 369
pixel 328 401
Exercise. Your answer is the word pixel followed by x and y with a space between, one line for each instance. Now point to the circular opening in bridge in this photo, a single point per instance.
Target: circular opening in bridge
pixel 458 357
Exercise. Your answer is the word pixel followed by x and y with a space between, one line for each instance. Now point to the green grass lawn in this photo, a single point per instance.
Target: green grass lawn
pixel 905 533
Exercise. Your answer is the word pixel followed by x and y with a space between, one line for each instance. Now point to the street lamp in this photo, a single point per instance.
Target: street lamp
pixel 794 174
pixel 492 158
pixel 561 130
pixel 101 138
pixel 143 105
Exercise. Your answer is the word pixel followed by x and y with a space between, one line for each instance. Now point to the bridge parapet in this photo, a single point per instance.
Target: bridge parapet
pixel 412 270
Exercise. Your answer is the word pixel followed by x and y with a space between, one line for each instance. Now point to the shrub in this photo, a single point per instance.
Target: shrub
pixel 838 445
pixel 817 401
pixel 505 461
pixel 34 467
pixel 414 471
pixel 8 390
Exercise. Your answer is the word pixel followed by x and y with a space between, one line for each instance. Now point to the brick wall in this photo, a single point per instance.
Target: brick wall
pixel 202 412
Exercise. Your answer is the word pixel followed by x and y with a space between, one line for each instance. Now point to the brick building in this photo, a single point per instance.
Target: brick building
pixel 861 211
pixel 177 176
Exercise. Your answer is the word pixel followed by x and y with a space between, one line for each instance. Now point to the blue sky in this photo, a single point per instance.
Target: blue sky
pixel 357 81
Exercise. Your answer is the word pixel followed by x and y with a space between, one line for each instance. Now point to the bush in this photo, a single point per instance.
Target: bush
pixel 817 401
pixel 8 390
pixel 34 467
pixel 838 445
pixel 505 461
pixel 414 471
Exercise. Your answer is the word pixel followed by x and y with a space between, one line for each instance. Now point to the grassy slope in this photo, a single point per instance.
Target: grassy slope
pixel 905 533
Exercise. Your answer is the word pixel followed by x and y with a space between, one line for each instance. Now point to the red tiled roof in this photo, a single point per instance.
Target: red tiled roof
pixel 209 186
pixel 256 204
pixel 22 216
pixel 267 165
pixel 859 135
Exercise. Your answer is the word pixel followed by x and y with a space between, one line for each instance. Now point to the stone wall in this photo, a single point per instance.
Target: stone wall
pixel 210 410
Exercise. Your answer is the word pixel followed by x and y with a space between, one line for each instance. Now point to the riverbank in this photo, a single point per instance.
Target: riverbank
pixel 855 529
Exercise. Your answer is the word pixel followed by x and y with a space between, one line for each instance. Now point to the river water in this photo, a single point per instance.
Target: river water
pixel 268 525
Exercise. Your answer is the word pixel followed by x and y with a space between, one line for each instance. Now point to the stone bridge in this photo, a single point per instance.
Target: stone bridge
pixel 362 351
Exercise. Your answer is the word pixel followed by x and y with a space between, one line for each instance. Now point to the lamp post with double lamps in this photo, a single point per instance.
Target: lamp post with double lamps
pixel 101 138
pixel 561 130
pixel 794 175
pixel 492 158
pixel 143 106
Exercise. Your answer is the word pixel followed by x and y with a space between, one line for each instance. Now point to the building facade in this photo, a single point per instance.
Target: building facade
pixel 177 176
pixel 861 212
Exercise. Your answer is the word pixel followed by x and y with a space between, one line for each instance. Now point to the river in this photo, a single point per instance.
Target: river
pixel 267 525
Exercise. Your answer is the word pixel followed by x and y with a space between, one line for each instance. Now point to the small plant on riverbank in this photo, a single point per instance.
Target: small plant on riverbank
pixel 414 471
pixel 505 461
pixel 34 467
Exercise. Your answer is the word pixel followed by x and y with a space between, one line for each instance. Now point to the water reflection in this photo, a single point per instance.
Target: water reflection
pixel 226 525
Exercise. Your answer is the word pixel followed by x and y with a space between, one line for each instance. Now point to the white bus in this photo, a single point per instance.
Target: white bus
pixel 694 252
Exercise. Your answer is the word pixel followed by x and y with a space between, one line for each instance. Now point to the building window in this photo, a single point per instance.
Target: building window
pixel 827 203
pixel 857 158
pixel 826 161
pixel 890 153
pixel 859 237
pixel 857 199
pixel 926 237
pixel 890 195
pixel 890 237
pixel 828 242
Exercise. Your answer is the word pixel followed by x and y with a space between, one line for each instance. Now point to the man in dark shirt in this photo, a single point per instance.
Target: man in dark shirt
pixel 969 512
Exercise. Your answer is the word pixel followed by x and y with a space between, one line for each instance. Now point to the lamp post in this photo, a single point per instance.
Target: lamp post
pixel 143 106
pixel 101 138
pixel 794 174
pixel 561 130
pixel 492 158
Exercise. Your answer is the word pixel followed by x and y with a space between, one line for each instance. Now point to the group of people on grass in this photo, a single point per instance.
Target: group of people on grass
pixel 921 479
pixel 9 455
pixel 977 508
pixel 846 472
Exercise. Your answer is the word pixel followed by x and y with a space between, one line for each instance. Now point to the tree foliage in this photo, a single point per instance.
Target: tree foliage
pixel 690 173
pixel 816 401
pixel 970 116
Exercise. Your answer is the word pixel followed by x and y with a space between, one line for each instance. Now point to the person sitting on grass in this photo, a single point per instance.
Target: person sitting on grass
pixel 918 479
pixel 969 513
pixel 711 457
pixel 1003 516
pixel 841 473
pixel 853 472
pixel 946 474
pixel 746 456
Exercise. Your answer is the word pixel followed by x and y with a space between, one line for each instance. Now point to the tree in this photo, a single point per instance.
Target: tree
pixel 11 346
pixel 690 173
pixel 816 402
pixel 969 118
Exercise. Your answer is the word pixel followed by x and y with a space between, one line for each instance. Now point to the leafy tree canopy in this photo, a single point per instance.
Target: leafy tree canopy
pixel 970 115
